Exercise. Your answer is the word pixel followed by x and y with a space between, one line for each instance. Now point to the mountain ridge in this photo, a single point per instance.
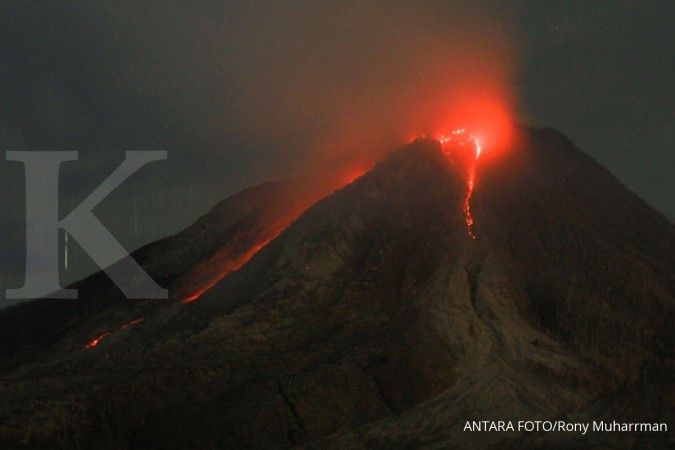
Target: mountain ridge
pixel 374 321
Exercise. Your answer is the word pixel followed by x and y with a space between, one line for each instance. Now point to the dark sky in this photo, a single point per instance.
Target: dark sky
pixel 602 72
pixel 209 82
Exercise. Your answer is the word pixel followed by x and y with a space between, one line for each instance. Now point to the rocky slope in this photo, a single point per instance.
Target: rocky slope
pixel 374 321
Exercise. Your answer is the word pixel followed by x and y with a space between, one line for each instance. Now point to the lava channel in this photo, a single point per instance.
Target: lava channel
pixel 101 337
pixel 208 273
pixel 229 266
pixel 461 145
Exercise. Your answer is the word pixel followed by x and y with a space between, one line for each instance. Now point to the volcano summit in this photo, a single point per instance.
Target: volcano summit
pixel 369 318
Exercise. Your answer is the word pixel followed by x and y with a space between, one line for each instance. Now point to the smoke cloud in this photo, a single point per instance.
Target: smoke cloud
pixel 317 84
pixel 237 93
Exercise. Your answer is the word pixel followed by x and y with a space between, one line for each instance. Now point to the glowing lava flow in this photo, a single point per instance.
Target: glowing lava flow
pixel 207 273
pixel 466 206
pixel 232 265
pixel 456 145
pixel 98 339
pixel 101 337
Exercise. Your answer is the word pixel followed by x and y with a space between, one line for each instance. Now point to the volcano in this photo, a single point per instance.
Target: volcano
pixel 375 316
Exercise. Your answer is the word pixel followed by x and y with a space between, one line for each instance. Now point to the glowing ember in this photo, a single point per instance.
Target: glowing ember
pixel 98 339
pixel 461 144
pixel 101 337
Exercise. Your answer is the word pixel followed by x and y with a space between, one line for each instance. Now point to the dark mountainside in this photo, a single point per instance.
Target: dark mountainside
pixel 373 320
pixel 178 263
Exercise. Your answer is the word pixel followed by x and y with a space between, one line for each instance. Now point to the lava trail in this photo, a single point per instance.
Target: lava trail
pixel 229 266
pixel 461 146
pixel 101 337
pixel 209 272
pixel 466 206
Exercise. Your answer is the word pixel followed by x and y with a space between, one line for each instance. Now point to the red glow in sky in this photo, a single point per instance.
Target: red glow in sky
pixel 487 120
pixel 476 130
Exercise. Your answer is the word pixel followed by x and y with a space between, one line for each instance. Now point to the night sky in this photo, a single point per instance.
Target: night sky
pixel 209 82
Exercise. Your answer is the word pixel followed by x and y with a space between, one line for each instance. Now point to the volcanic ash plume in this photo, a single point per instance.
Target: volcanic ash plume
pixel 338 84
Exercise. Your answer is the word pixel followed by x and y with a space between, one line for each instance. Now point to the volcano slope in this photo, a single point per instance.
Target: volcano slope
pixel 185 264
pixel 374 321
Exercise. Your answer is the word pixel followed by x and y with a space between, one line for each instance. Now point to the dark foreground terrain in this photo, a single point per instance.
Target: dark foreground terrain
pixel 372 321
